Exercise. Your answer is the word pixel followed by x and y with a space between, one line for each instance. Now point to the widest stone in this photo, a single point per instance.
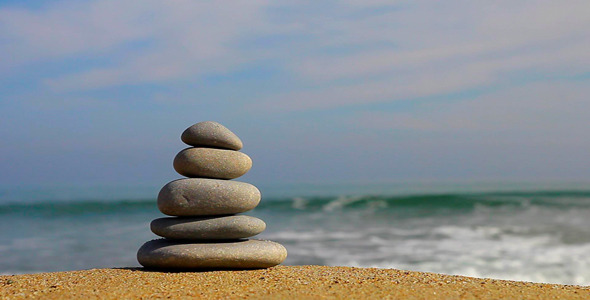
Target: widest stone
pixel 211 134
pixel 212 163
pixel 241 254
pixel 206 197
pixel 211 228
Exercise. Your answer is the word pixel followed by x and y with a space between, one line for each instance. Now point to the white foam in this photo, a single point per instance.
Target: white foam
pixel 341 202
pixel 299 203
pixel 509 252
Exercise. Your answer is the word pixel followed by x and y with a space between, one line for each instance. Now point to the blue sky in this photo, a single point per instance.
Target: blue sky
pixel 98 92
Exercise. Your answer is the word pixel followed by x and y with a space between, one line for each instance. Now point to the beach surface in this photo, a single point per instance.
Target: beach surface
pixel 302 282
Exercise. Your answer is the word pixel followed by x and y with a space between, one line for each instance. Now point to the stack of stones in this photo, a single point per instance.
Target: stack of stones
pixel 205 231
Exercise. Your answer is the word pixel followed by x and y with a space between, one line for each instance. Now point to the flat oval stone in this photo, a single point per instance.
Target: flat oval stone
pixel 241 254
pixel 212 163
pixel 212 228
pixel 207 197
pixel 211 134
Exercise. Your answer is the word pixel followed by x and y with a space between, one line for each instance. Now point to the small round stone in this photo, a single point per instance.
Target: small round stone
pixel 240 254
pixel 207 197
pixel 212 163
pixel 208 228
pixel 211 134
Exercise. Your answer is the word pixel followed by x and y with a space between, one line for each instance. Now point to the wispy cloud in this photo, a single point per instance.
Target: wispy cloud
pixel 446 47
pixel 546 110
pixel 317 85
pixel 348 52
pixel 146 41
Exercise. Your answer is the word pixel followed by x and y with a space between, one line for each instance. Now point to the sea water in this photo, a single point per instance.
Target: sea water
pixel 534 232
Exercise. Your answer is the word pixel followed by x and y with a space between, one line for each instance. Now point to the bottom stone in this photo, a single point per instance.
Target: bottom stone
pixel 238 254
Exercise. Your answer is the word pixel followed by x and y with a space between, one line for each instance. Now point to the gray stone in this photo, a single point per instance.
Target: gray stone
pixel 241 254
pixel 211 134
pixel 207 197
pixel 212 163
pixel 208 228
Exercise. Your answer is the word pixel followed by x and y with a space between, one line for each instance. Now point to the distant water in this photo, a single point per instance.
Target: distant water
pixel 530 232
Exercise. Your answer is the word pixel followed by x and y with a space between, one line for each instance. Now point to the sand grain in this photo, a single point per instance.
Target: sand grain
pixel 302 282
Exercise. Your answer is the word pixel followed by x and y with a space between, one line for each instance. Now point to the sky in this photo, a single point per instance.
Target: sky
pixel 98 92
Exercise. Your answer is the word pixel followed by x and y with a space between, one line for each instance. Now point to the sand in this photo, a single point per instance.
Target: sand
pixel 301 282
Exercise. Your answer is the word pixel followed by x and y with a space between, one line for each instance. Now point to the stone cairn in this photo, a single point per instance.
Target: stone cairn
pixel 205 231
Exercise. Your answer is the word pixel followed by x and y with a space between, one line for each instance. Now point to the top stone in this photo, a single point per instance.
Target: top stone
pixel 211 134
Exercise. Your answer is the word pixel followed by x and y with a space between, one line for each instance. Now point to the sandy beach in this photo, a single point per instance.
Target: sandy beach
pixel 302 282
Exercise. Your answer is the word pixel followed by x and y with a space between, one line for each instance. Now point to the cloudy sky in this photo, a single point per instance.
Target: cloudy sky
pixel 319 91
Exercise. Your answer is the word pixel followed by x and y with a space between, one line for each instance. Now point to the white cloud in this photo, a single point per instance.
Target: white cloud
pixel 68 29
pixel 445 47
pixel 547 111
pixel 183 38
pixel 346 53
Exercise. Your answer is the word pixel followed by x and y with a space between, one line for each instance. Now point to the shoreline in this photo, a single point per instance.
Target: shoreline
pixel 308 282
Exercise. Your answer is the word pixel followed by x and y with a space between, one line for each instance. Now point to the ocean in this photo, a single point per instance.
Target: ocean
pixel 531 232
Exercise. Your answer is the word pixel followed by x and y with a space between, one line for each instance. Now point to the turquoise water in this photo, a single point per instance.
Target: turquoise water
pixel 534 232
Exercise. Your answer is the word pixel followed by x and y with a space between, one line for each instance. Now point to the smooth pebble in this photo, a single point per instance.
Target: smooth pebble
pixel 225 227
pixel 212 163
pixel 207 197
pixel 241 254
pixel 211 134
